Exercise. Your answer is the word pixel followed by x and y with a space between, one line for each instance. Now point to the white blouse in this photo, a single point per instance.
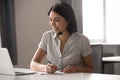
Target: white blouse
pixel 76 47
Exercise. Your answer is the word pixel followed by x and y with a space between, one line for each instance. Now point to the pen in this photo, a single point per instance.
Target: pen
pixel 52 66
pixel 49 62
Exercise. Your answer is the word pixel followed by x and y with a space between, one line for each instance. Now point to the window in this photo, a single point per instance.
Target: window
pixel 93 20
pixel 113 21
pixel 101 20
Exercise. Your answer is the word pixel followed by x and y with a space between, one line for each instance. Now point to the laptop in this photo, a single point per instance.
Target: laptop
pixel 6 66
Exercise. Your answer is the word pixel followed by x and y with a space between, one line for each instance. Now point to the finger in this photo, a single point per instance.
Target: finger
pixel 49 69
pixel 66 69
pixel 53 66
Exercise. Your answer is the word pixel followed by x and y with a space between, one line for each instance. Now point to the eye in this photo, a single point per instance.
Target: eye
pixel 56 20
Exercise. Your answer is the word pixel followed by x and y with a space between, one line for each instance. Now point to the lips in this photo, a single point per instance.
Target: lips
pixel 55 29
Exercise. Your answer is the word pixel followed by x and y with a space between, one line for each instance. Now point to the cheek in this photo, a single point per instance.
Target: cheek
pixel 64 25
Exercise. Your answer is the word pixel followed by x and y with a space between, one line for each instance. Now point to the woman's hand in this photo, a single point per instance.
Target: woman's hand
pixel 51 68
pixel 70 69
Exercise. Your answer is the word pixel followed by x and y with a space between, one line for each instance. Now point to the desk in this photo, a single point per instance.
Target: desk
pixel 112 59
pixel 74 76
pixel 108 61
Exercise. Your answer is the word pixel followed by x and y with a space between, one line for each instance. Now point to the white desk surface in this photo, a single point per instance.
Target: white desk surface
pixel 74 76
pixel 111 59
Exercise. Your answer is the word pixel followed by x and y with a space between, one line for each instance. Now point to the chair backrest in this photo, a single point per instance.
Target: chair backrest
pixel 97 58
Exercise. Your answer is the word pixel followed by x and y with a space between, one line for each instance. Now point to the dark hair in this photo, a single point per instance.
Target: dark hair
pixel 66 11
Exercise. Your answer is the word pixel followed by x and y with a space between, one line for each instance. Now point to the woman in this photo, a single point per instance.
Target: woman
pixel 65 48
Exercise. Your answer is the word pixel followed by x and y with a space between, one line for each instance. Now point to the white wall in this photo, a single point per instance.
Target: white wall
pixel 31 21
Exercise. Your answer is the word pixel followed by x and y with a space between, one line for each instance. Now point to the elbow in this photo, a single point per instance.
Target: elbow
pixel 32 65
pixel 91 69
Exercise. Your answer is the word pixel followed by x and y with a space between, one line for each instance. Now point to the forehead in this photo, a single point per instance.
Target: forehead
pixel 55 15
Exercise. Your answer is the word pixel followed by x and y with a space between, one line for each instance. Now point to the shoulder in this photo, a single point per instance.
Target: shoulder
pixel 80 36
pixel 48 33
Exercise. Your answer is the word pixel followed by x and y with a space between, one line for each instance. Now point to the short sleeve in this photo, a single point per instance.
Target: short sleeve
pixel 43 42
pixel 86 48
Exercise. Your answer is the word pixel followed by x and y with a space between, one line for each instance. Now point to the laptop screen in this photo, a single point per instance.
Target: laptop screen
pixel 6 66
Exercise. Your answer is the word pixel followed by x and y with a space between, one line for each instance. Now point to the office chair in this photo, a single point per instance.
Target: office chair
pixel 97 52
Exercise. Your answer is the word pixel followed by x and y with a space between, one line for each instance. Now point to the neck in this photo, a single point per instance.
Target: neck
pixel 64 37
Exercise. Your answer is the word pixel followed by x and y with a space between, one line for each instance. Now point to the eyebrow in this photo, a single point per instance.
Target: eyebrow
pixel 56 18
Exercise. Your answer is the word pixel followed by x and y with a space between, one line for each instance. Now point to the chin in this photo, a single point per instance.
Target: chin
pixel 55 32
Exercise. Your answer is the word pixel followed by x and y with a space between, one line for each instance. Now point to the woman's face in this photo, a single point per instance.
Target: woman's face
pixel 57 22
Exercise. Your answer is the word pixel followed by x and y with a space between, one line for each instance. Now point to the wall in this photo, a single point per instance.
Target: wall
pixel 31 20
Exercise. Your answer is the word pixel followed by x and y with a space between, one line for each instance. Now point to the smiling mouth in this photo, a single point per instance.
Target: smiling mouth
pixel 55 29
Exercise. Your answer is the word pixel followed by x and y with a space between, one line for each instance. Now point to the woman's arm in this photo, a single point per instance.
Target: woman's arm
pixel 88 64
pixel 87 67
pixel 37 59
pixel 36 63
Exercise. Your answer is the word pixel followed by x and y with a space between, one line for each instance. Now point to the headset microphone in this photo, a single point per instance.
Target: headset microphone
pixel 59 33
